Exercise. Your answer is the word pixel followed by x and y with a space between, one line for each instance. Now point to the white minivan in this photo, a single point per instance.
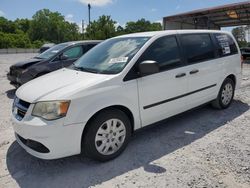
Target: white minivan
pixel 121 85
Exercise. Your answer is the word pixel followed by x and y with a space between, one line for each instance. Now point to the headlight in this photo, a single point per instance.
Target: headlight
pixel 51 110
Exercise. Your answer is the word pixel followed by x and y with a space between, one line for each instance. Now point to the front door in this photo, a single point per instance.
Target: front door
pixel 161 95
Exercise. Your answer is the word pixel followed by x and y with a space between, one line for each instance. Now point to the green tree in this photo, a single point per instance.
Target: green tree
pixel 51 26
pixel 142 25
pixel 7 26
pixel 71 32
pixel 239 34
pixel 12 40
pixel 120 31
pixel 102 28
pixel 23 24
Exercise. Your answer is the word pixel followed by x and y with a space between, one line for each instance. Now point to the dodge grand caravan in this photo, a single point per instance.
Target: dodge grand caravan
pixel 121 85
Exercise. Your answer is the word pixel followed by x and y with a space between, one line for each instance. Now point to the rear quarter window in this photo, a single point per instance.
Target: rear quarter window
pixel 225 44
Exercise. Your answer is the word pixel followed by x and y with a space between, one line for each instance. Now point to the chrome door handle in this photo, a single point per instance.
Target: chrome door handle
pixel 180 75
pixel 194 71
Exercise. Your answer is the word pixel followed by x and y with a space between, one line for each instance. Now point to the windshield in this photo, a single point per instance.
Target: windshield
pixel 111 56
pixel 51 51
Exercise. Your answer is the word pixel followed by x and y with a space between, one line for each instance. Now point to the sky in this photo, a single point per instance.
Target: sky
pixel 121 11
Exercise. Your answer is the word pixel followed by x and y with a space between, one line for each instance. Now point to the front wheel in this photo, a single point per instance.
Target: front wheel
pixel 107 135
pixel 226 94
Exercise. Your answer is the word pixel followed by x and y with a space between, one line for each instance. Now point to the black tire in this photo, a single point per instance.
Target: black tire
pixel 89 148
pixel 218 102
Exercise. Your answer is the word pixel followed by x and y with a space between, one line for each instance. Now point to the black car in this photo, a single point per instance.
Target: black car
pixel 58 56
pixel 245 52
pixel 46 47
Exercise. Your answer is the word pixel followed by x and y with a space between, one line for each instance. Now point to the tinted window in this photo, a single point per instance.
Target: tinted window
pixel 87 47
pixel 226 45
pixel 165 51
pixel 198 47
pixel 74 52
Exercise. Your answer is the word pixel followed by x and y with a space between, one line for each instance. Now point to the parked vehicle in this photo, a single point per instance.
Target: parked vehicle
pixel 121 85
pixel 245 52
pixel 46 47
pixel 57 57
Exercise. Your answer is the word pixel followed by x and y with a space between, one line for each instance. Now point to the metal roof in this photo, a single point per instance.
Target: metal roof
pixel 222 16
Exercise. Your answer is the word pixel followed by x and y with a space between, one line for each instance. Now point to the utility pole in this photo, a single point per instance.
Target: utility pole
pixel 83 29
pixel 89 7
pixel 89 26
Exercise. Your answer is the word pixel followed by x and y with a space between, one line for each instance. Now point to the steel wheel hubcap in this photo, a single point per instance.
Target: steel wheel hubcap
pixel 227 94
pixel 110 136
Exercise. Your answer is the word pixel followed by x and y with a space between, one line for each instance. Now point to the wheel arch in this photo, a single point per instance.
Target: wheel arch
pixel 232 77
pixel 124 109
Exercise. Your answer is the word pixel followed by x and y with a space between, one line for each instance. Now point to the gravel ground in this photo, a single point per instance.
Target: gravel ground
pixel 200 148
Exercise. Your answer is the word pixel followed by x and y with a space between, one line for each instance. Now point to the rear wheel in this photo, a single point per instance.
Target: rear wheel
pixel 226 94
pixel 107 135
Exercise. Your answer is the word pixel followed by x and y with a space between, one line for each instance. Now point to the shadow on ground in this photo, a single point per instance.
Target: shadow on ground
pixel 11 93
pixel 146 146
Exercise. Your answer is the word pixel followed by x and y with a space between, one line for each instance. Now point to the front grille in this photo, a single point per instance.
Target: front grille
pixel 20 108
pixel 24 103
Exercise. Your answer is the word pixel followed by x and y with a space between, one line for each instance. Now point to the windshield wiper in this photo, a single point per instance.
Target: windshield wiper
pixel 85 69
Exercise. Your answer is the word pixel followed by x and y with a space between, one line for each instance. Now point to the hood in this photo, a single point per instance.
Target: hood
pixel 27 63
pixel 59 85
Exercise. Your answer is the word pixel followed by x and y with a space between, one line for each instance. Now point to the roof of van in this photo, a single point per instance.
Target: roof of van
pixel 165 32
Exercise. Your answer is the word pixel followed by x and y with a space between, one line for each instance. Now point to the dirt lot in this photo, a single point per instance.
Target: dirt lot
pixel 201 148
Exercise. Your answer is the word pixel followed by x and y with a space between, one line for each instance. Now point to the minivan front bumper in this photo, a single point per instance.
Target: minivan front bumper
pixel 47 141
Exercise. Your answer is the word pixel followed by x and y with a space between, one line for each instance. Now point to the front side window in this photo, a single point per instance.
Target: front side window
pixel 74 52
pixel 111 56
pixel 165 52
pixel 198 47
pixel 226 45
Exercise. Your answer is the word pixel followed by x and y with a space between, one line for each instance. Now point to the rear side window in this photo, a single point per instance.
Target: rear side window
pixel 198 47
pixel 165 51
pixel 225 44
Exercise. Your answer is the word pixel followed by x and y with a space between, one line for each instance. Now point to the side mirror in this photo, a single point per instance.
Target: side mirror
pixel 148 67
pixel 63 57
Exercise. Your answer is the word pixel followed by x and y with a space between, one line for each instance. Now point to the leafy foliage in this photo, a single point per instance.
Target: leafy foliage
pixel 240 35
pixel 141 26
pixel 51 26
pixel 10 40
pixel 102 28
pixel 47 26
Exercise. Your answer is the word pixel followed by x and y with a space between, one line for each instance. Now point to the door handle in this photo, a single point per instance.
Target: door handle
pixel 194 71
pixel 180 75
